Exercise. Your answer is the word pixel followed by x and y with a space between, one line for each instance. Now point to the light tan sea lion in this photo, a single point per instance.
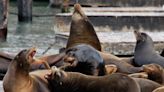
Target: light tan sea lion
pixel 18 79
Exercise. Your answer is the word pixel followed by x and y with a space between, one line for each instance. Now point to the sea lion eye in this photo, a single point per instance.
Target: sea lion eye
pixel 17 57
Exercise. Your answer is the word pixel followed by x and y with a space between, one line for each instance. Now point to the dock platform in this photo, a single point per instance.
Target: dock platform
pixel 117 43
pixel 118 19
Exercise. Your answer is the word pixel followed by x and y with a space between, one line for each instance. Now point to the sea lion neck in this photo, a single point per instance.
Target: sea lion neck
pixel 22 68
pixel 81 30
pixel 146 45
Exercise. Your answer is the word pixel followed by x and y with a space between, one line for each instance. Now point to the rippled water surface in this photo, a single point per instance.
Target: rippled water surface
pixel 40 33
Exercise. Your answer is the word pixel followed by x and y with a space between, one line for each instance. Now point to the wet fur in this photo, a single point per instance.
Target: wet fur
pixel 76 82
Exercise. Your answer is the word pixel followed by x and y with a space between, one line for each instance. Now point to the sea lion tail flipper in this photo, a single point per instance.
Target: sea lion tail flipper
pixel 110 69
pixel 139 75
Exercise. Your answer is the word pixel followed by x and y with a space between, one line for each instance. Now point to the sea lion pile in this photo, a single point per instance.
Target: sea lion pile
pixel 83 67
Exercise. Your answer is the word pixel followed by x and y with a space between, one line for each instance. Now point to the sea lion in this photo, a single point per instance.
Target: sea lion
pixel 84 59
pixel 146 85
pixel 123 66
pixel 18 79
pixel 81 30
pixel 144 51
pixel 62 81
pixel 85 53
pixel 5 60
pixel 155 72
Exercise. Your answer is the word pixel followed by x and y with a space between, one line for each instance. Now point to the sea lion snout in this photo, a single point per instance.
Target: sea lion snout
pixel 152 67
pixel 26 55
pixel 30 54
pixel 138 35
pixel 54 74
pixel 78 10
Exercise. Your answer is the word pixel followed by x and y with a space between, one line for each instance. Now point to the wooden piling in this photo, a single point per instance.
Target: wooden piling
pixel 24 10
pixel 3 19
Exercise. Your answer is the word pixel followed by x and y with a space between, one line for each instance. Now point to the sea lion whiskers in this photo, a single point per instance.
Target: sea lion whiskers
pixel 30 55
pixel 138 35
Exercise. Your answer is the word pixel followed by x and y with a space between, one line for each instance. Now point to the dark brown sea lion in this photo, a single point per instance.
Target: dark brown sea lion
pixel 85 53
pixel 146 85
pixel 144 51
pixel 84 59
pixel 155 72
pixel 82 30
pixel 18 79
pixel 62 81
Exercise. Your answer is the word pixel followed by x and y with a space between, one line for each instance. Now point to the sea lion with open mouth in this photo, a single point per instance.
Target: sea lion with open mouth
pixel 18 79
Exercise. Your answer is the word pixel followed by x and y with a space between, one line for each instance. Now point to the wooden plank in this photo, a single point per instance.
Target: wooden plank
pixel 118 19
pixel 24 10
pixel 117 14
pixel 123 9
pixel 3 19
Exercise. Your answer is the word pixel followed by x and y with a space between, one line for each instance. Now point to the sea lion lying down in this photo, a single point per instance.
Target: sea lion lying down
pixel 84 59
pixel 18 79
pixel 61 81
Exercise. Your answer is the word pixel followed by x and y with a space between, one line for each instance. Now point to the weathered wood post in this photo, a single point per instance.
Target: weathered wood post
pixel 65 6
pixel 3 19
pixel 24 10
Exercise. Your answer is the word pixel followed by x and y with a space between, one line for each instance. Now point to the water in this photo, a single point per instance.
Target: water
pixel 40 33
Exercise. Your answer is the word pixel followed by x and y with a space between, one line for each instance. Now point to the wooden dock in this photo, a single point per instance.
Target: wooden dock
pixel 118 43
pixel 118 19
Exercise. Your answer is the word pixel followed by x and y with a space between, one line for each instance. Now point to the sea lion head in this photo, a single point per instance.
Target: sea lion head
pixel 25 57
pixel 70 56
pixel 56 75
pixel 154 72
pixel 78 13
pixel 142 37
